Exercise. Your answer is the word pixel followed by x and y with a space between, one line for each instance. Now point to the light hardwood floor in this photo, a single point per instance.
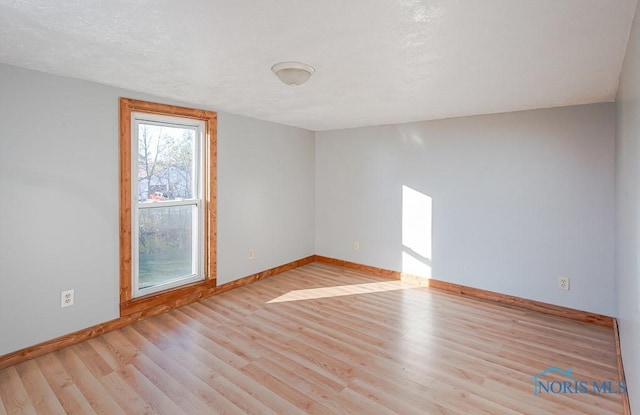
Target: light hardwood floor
pixel 322 339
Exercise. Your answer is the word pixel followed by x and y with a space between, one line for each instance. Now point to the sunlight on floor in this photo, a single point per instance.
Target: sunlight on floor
pixel 341 290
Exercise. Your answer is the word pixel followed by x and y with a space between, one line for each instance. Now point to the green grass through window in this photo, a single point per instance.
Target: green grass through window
pixel 160 268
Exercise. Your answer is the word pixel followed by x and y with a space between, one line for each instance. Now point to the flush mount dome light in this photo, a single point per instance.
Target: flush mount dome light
pixel 293 73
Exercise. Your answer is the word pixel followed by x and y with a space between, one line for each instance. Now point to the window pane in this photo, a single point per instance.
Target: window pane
pixel 165 162
pixel 165 245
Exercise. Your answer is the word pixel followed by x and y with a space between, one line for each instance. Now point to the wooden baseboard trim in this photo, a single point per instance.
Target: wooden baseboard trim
pixel 524 303
pixel 265 274
pixel 360 267
pixel 58 343
pixel 31 352
pixel 554 310
pixel 625 397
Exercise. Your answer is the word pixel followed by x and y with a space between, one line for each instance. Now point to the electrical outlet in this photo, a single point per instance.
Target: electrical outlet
pixel 252 254
pixel 66 298
pixel 563 283
pixel 356 246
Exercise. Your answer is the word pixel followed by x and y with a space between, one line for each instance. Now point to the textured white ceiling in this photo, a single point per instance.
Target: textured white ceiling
pixel 377 61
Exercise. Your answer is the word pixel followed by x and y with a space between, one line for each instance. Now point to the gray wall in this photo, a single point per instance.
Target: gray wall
pixel 518 199
pixel 265 195
pixel 628 206
pixel 59 206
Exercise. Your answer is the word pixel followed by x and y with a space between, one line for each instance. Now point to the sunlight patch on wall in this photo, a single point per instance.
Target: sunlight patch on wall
pixel 414 266
pixel 416 232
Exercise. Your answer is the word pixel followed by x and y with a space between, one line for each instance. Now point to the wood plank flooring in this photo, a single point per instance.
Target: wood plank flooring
pixel 324 340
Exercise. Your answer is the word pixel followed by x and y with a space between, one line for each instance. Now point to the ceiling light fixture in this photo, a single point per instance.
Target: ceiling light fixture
pixel 293 73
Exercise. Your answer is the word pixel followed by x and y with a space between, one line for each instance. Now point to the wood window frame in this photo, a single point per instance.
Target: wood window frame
pixel 189 292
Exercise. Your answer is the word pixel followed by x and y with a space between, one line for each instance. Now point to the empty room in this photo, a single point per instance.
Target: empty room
pixel 334 207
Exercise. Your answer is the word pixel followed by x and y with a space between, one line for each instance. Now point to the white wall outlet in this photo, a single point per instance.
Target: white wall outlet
pixel 356 246
pixel 66 298
pixel 252 254
pixel 563 283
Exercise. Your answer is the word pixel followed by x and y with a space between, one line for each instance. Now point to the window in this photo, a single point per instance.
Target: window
pixel 167 215
pixel 167 166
